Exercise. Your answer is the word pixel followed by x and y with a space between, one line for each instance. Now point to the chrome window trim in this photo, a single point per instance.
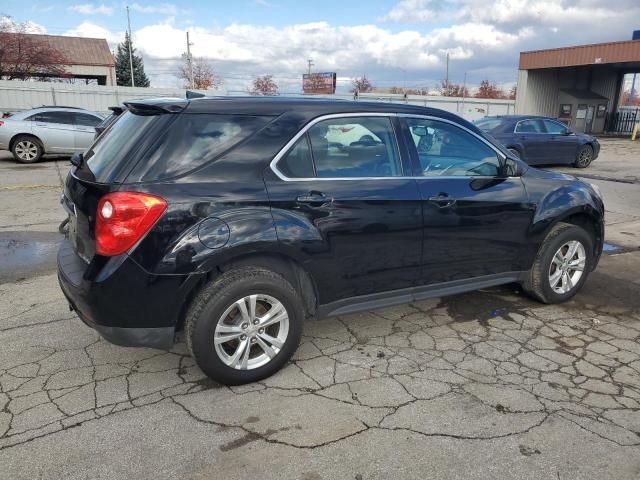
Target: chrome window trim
pixel 284 150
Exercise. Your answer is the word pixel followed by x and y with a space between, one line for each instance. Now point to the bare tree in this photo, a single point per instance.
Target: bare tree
pixel 361 85
pixel 24 56
pixel 512 92
pixel 264 85
pixel 448 89
pixel 489 90
pixel 204 77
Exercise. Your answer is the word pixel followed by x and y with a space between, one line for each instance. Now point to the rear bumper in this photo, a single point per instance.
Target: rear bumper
pixel 125 304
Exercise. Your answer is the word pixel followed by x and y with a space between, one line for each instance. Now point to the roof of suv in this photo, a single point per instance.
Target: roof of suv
pixel 278 105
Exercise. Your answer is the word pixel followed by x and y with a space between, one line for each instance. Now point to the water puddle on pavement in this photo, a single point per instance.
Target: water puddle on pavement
pixel 611 248
pixel 27 254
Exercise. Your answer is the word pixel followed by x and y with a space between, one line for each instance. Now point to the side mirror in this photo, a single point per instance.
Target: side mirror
pixel 419 131
pixel 512 168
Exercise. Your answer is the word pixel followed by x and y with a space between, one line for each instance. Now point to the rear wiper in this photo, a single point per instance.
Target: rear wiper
pixel 77 159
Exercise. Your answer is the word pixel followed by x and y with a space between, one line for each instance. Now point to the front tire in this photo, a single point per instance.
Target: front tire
pixel 27 149
pixel 562 264
pixel 584 157
pixel 244 326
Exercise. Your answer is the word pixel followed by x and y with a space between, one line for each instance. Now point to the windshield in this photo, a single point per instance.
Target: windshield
pixel 489 124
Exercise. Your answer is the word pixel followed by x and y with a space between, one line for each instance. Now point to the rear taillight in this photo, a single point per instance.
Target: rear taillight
pixel 123 218
pixel 1 123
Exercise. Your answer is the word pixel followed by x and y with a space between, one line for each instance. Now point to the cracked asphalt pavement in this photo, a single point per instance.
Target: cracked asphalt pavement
pixel 488 384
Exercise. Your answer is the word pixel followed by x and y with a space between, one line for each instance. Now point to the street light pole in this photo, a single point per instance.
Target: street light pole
pixel 133 83
pixel 190 60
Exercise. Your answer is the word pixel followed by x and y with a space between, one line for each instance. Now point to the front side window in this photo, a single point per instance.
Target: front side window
pixel 86 120
pixel 554 127
pixel 530 126
pixel 444 149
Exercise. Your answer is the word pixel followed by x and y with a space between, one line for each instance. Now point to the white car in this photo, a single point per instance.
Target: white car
pixel 48 130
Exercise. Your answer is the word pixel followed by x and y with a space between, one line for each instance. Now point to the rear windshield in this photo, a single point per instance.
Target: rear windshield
pixel 165 145
pixel 110 154
pixel 192 140
pixel 489 124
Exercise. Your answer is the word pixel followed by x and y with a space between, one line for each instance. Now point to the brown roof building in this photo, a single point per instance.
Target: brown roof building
pixel 581 85
pixel 89 58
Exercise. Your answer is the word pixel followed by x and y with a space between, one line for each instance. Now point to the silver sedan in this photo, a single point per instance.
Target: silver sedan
pixel 48 130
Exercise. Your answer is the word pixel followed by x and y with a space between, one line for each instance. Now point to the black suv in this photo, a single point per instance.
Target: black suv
pixel 237 218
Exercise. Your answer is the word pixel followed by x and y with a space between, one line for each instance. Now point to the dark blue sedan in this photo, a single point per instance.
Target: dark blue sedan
pixel 541 140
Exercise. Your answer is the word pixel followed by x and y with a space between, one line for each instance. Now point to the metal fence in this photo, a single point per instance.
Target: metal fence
pixel 19 95
pixel 623 121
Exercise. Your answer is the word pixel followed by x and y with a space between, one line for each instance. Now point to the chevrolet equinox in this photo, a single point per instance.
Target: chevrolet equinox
pixel 234 219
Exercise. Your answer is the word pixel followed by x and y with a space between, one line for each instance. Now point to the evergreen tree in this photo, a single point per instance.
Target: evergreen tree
pixel 123 67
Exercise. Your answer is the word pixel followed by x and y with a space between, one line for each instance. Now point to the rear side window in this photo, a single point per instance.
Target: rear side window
pixel 298 163
pixel 192 140
pixel 489 124
pixel 64 118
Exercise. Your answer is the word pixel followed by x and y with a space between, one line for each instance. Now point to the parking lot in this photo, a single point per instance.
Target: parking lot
pixel 488 384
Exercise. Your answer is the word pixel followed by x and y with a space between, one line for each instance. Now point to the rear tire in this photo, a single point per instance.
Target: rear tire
pixel 27 149
pixel 584 157
pixel 551 264
pixel 235 346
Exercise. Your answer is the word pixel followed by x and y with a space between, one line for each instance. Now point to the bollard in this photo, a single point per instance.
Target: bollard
pixel 635 131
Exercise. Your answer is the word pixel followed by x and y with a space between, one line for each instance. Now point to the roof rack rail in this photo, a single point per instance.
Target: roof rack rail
pixel 60 106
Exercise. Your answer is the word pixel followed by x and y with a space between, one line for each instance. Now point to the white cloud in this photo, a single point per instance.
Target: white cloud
pixel 483 42
pixel 91 9
pixel 91 30
pixel 160 8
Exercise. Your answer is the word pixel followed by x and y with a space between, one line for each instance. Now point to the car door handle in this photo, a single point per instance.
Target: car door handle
pixel 314 198
pixel 443 200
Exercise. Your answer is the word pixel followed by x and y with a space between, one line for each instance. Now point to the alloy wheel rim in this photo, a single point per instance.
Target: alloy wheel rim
pixel 251 332
pixel 26 150
pixel 585 156
pixel 567 267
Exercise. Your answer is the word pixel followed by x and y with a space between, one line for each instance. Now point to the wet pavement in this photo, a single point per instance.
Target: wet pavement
pixel 487 384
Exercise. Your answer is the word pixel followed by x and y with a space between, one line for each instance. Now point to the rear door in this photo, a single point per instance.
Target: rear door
pixel 56 130
pixel 563 146
pixel 531 134
pixel 475 217
pixel 345 208
pixel 85 130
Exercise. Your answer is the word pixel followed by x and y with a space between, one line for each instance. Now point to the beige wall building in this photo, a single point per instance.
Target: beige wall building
pixel 579 85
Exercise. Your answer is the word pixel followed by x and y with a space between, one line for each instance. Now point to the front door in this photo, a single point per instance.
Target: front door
pixel 344 207
pixel 85 130
pixel 475 217
pixel 588 120
pixel 563 143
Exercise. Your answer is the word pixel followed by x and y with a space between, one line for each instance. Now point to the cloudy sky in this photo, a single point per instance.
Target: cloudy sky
pixel 402 43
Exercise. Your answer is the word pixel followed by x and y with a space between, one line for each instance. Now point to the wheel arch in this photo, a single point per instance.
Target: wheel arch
pixel 279 263
pixel 586 220
pixel 31 135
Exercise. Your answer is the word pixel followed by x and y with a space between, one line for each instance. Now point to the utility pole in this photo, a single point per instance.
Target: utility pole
pixel 464 92
pixel 190 60
pixel 133 82
pixel 310 63
pixel 446 77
